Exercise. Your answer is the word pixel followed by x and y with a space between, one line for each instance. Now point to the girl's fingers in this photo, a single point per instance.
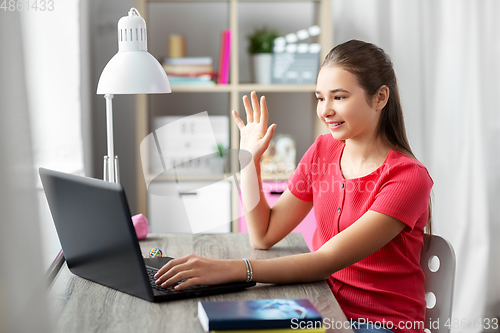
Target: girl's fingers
pixel 169 265
pixel 173 274
pixel 165 276
pixel 189 283
pixel 248 109
pixel 255 111
pixel 269 134
pixel 263 115
pixel 238 120
pixel 255 106
pixel 182 275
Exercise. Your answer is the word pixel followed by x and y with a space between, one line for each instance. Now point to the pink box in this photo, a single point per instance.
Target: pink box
pixel 272 191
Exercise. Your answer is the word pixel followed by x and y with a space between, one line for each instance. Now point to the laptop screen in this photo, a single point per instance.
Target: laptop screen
pixel 93 222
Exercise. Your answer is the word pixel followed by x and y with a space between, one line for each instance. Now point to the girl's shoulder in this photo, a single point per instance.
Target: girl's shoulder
pixel 402 163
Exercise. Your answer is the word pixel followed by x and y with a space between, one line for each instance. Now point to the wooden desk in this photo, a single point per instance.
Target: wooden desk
pixel 79 305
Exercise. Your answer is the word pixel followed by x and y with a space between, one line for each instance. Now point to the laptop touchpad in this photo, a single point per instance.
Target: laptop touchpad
pixel 157 262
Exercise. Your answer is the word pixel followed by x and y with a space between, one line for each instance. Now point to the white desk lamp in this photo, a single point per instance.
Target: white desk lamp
pixel 131 71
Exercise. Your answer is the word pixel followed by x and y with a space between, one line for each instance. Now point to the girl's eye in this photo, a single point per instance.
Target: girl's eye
pixel 319 99
pixel 339 97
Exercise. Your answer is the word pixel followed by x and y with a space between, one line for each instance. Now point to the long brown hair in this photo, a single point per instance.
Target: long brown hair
pixel 373 68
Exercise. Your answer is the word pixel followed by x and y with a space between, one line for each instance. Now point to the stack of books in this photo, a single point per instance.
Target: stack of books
pixel 189 70
pixel 260 316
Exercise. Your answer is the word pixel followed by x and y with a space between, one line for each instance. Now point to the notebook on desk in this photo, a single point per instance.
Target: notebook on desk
pixel 99 242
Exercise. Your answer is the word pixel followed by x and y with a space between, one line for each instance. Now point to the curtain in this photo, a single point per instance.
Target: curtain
pixel 21 309
pixel 52 60
pixel 446 55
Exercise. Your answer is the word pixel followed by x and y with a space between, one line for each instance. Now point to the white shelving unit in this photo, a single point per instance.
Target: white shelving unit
pixel 234 88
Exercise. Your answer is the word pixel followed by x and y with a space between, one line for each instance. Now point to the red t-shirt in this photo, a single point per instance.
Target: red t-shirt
pixel 388 286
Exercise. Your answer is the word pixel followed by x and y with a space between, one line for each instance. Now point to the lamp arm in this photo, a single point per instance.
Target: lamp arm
pixel 109 126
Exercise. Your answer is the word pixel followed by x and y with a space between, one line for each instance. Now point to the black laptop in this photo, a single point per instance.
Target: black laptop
pixel 99 242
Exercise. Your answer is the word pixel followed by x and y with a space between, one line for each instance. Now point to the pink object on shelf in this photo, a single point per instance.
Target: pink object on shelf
pixel 141 226
pixel 272 191
pixel 221 56
pixel 225 57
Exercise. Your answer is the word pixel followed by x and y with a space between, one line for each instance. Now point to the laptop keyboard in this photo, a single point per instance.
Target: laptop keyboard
pixel 151 275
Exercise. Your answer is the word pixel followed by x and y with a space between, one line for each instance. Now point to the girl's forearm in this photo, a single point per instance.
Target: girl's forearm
pixel 256 208
pixel 299 268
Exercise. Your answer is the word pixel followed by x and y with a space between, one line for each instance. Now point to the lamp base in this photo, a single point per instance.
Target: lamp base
pixel 115 173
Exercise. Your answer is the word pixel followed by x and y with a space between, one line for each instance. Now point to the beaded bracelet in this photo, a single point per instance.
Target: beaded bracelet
pixel 249 270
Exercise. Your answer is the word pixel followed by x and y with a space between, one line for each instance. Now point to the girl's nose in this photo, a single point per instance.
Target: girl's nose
pixel 326 110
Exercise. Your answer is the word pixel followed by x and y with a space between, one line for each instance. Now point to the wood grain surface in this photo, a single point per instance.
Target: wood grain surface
pixel 79 305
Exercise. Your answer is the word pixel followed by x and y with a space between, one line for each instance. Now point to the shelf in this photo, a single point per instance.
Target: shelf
pixel 208 177
pixel 194 88
pixel 238 86
pixel 277 87
pixel 246 88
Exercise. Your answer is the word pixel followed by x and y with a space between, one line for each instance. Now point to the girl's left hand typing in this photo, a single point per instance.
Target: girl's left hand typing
pixel 200 271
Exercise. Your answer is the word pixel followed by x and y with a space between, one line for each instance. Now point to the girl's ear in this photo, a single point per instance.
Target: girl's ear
pixel 381 97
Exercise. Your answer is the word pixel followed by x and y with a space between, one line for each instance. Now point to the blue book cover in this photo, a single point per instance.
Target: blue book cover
pixel 258 314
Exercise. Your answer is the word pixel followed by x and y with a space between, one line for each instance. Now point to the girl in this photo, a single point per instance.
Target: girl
pixel 370 198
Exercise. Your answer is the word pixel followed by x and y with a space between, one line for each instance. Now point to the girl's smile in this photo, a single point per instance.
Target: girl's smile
pixel 334 125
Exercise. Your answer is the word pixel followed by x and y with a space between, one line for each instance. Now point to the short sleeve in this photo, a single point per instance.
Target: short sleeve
pixel 300 182
pixel 404 193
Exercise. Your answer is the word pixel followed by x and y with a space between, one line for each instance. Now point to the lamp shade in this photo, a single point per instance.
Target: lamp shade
pixel 133 70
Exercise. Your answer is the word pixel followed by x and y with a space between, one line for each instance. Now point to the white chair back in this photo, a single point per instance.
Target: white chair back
pixel 438 264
